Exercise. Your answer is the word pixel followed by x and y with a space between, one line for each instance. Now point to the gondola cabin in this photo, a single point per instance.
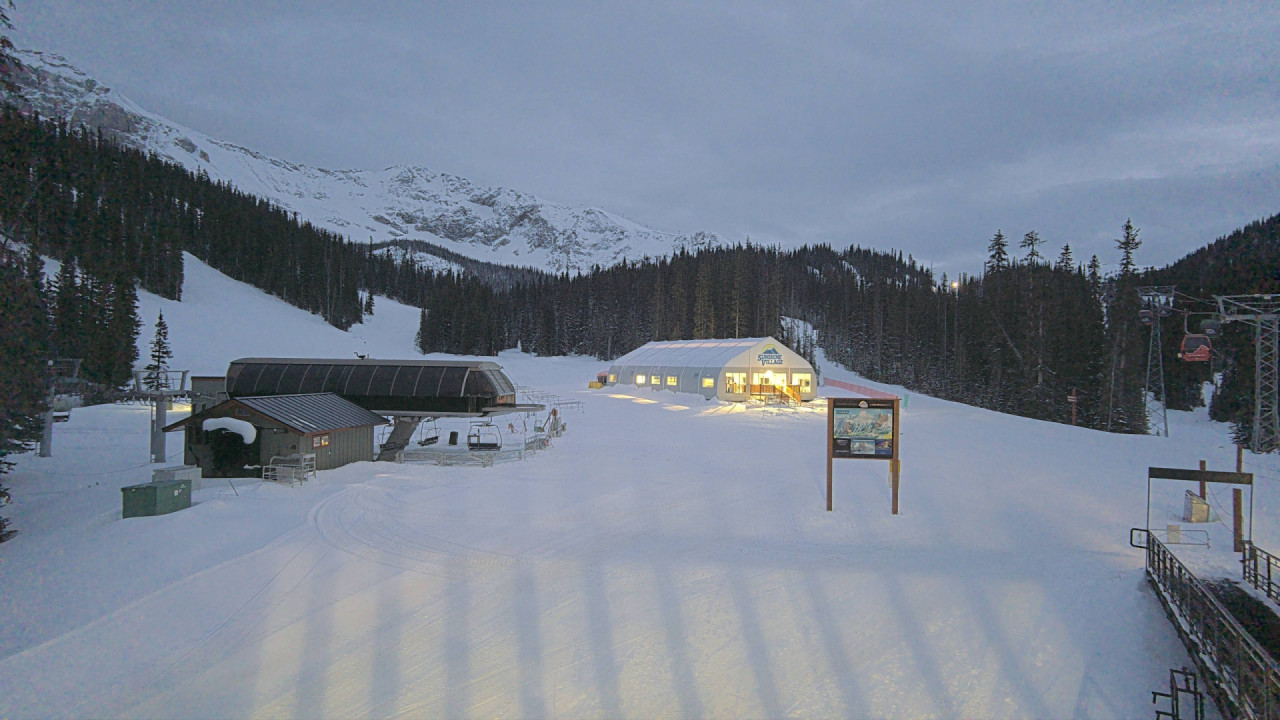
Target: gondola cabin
pixel 405 388
pixel 1196 348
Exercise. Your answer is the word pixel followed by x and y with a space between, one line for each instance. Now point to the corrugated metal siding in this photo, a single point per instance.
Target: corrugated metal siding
pixel 278 443
pixel 316 412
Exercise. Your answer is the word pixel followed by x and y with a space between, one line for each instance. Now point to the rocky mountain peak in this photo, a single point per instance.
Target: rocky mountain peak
pixel 403 202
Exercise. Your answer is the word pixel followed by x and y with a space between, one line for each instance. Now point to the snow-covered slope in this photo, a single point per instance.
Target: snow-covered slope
pixel 493 224
pixel 668 556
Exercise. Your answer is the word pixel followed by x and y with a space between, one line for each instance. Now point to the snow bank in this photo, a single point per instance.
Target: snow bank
pixel 240 427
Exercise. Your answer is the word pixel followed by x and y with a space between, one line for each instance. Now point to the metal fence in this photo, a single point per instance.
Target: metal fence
pixel 1241 676
pixel 1260 567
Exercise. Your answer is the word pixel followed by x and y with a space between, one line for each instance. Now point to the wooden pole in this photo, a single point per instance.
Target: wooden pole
pixel 1237 513
pixel 895 466
pixel 1202 483
pixel 831 425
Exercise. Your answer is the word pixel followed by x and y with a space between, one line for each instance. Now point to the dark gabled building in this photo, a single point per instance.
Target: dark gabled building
pixel 337 431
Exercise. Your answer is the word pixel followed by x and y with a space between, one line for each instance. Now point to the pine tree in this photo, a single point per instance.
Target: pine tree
pixel 1030 242
pixel 999 252
pixel 368 304
pixel 68 312
pixel 1065 263
pixel 1128 245
pixel 160 354
pixel 24 356
pixel 9 65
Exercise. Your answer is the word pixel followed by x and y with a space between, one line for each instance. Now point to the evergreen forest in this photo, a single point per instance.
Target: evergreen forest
pixel 1034 328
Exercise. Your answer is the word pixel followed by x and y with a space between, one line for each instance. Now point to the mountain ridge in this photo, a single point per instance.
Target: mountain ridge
pixel 402 202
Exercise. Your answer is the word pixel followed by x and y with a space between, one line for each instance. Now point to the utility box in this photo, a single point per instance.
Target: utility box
pixel 158 497
pixel 1196 509
pixel 178 472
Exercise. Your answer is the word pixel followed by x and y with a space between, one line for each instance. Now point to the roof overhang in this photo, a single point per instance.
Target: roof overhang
pixel 484 411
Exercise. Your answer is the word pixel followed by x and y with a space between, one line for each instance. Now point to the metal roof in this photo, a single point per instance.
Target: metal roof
pixel 314 412
pixel 478 364
pixel 689 353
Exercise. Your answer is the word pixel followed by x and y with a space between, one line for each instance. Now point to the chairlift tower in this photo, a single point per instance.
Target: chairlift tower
pixel 160 387
pixel 62 372
pixel 1157 302
pixel 1263 313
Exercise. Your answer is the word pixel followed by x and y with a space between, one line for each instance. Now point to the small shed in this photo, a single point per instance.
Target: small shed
pixel 731 369
pixel 207 391
pixel 230 438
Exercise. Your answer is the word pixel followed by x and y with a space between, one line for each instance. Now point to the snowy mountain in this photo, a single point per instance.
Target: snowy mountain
pixel 492 224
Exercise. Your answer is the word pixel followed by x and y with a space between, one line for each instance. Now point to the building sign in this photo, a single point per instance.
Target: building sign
pixel 863 428
pixel 770 356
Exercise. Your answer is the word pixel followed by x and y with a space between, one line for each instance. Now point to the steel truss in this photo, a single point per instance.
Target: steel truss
pixel 1159 301
pixel 1263 312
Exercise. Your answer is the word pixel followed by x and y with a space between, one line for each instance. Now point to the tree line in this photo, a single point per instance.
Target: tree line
pixel 1023 336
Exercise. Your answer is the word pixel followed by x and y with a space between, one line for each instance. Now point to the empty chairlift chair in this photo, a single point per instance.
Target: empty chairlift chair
pixel 484 436
pixel 430 435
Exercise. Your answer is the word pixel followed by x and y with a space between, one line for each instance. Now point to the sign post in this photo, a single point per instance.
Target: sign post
pixel 864 429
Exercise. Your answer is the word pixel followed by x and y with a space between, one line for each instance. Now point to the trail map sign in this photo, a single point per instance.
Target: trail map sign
pixel 864 428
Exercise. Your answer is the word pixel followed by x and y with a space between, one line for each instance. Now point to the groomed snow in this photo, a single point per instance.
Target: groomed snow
pixel 668 556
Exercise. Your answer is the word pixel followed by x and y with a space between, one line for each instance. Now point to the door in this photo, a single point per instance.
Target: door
pixel 230 456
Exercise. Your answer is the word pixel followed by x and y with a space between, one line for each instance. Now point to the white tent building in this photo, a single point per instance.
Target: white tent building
pixel 734 369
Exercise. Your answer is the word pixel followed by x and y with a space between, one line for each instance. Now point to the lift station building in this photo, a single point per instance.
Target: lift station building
pixel 241 433
pixel 736 369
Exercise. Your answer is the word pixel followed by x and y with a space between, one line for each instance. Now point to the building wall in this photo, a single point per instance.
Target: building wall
pixel 345 446
pixel 207 391
pixel 689 379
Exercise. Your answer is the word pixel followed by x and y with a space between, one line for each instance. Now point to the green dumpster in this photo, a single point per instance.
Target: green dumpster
pixel 156 498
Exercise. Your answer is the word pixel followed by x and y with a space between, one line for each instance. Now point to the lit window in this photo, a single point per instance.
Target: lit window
pixel 804 380
pixel 657 379
pixel 671 380
pixel 640 380
pixel 613 378
pixel 708 382
pixel 320 441
pixel 735 382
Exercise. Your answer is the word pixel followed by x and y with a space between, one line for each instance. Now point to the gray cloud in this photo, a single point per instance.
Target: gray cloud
pixel 922 127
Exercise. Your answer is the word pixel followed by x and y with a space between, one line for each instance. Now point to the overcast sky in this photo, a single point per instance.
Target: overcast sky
pixel 920 127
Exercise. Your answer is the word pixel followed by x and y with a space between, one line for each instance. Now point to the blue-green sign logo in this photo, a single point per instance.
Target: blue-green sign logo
pixel 770 356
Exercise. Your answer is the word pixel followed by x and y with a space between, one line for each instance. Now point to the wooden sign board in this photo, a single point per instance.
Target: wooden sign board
pixel 863 429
